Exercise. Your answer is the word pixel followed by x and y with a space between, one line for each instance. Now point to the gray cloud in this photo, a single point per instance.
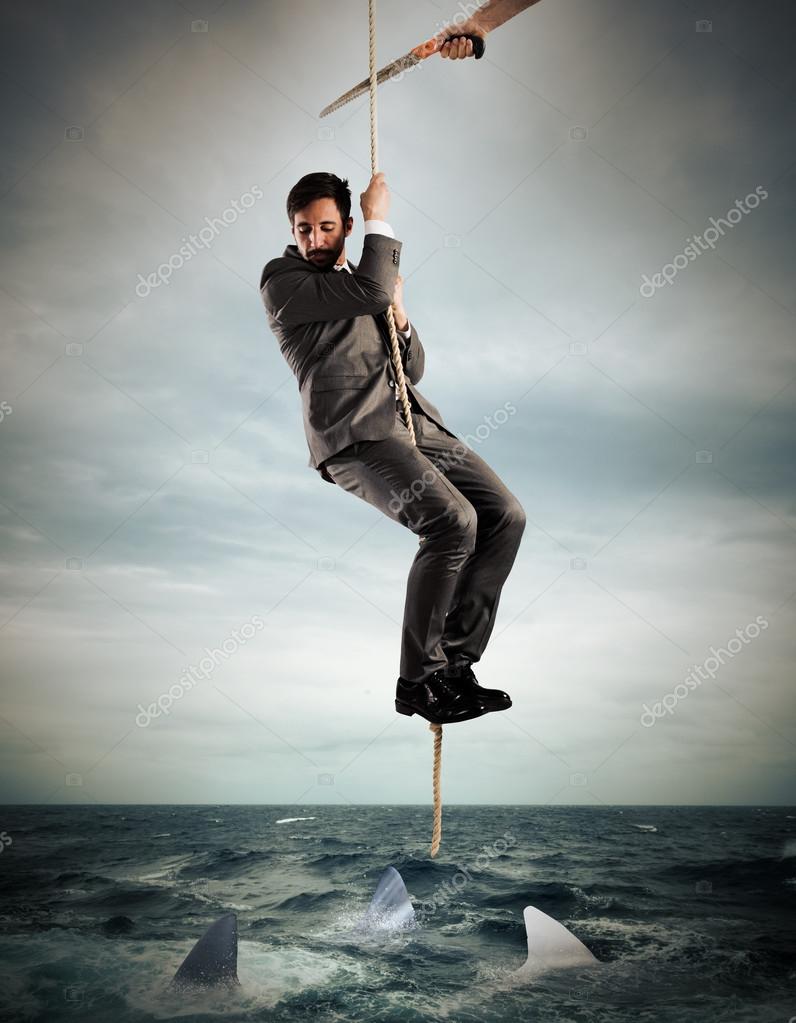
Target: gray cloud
pixel 532 192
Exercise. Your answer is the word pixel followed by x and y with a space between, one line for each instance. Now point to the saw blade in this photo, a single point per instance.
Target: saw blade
pixel 484 19
pixel 404 63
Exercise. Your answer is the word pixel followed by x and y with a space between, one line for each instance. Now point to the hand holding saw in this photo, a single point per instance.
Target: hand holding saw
pixel 488 16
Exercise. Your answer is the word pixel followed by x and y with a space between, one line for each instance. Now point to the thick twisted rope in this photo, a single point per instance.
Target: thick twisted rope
pixel 395 353
pixel 374 166
pixel 436 834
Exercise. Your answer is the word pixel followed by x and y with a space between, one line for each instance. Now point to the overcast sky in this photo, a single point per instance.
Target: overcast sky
pixel 155 498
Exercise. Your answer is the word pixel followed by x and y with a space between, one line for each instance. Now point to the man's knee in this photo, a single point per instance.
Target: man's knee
pixel 514 514
pixel 462 522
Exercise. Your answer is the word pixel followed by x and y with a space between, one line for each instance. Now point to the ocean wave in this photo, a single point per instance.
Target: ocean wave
pixel 308 900
pixel 548 896
pixel 765 873
pixel 138 897
pixel 222 863
pixel 325 860
pixel 81 877
pixel 108 918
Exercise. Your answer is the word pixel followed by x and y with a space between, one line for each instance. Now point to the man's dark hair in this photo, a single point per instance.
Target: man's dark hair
pixel 320 186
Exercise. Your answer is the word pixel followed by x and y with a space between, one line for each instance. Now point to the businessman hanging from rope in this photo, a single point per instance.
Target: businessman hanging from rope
pixel 329 317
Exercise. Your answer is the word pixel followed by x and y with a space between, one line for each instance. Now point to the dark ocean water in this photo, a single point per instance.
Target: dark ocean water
pixel 691 921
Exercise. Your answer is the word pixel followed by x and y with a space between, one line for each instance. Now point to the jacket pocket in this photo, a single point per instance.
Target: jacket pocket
pixel 337 382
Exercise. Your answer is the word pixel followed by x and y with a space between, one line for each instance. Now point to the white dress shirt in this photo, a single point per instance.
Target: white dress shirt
pixel 378 227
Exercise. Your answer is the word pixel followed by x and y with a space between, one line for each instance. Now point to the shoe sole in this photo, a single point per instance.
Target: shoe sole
pixel 494 707
pixel 409 710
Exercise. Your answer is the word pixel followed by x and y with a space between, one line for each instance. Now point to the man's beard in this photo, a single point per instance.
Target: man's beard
pixel 326 257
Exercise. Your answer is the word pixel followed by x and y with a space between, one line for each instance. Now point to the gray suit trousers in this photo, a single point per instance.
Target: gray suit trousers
pixel 469 524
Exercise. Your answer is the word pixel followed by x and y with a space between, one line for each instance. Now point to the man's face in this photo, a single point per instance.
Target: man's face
pixel 320 234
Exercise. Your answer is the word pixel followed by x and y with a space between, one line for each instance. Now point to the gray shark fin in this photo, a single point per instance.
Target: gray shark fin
pixel 214 958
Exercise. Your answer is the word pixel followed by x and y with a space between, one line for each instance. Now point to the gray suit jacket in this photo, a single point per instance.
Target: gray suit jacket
pixel 332 330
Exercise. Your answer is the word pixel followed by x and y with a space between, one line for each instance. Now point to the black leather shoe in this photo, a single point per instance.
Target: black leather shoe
pixel 436 700
pixel 465 681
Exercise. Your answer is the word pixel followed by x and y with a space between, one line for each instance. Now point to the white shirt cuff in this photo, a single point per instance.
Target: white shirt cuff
pixel 379 227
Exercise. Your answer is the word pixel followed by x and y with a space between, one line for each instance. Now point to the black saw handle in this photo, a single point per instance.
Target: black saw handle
pixel 479 44
pixel 434 45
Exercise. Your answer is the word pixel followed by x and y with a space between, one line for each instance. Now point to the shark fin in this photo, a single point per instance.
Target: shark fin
pixel 390 908
pixel 214 958
pixel 550 945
